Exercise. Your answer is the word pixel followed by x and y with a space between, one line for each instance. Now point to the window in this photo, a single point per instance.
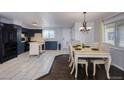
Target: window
pixel 109 34
pixel 48 34
pixel 120 35
pixel 114 33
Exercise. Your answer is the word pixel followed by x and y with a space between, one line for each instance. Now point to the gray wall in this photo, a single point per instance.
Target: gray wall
pixel 118 58
pixel 117 53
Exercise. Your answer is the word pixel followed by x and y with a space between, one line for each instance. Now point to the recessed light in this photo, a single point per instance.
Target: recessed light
pixel 34 24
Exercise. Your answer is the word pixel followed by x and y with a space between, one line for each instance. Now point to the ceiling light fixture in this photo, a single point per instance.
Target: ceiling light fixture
pixel 84 27
pixel 34 24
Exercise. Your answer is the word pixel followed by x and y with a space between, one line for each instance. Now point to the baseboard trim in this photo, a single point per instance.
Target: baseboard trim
pixel 118 67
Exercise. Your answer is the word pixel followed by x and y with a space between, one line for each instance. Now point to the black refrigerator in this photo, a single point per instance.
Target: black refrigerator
pixel 8 42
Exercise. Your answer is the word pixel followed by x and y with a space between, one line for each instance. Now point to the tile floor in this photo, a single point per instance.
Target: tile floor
pixel 28 68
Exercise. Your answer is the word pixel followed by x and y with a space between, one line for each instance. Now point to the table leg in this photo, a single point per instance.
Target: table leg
pixel 94 69
pixel 76 67
pixel 107 67
pixel 76 70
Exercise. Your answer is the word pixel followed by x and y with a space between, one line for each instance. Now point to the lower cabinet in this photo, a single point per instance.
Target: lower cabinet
pixel 51 45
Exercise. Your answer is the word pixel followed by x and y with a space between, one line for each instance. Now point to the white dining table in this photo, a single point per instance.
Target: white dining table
pixel 89 53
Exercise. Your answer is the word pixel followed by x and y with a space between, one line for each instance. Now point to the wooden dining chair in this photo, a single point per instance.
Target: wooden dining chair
pixel 70 56
pixel 103 47
pixel 98 62
pixel 80 61
pixel 71 65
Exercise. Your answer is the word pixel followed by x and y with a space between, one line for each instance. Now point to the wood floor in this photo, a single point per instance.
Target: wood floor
pixel 25 67
pixel 61 71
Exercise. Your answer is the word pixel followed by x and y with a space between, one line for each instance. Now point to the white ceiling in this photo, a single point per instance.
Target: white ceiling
pixel 52 19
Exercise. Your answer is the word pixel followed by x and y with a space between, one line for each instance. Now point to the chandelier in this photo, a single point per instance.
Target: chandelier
pixel 84 27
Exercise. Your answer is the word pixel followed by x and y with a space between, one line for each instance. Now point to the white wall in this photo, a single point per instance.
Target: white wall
pixel 97 29
pixel 57 34
pixel 62 35
pixel 66 38
pixel 77 35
